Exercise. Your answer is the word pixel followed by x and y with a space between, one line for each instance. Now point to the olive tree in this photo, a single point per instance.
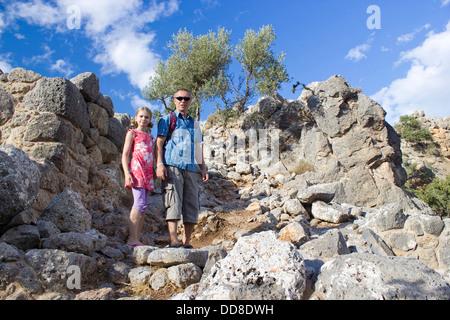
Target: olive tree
pixel 262 71
pixel 201 64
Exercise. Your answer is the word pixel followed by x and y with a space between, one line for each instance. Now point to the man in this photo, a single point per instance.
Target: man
pixel 176 155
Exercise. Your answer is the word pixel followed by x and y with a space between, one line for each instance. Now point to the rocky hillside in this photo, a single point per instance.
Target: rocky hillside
pixel 437 156
pixel 304 202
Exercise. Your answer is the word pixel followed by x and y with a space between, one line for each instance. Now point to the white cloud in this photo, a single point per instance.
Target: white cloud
pixel 63 67
pixel 36 12
pixel 137 102
pixel 404 38
pixel 125 51
pixel 117 28
pixel 445 2
pixel 425 86
pixel 359 52
pixel 41 58
pixel 2 22
pixel 212 3
pixel 5 65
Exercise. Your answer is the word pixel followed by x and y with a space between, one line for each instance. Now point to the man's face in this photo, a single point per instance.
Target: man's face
pixel 182 101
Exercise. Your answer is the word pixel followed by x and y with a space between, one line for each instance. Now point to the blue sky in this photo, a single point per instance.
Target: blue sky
pixel 401 58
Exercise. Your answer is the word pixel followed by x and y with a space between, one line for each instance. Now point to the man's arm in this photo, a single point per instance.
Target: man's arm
pixel 202 165
pixel 161 171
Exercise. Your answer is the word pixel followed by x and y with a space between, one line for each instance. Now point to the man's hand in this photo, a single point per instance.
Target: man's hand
pixel 205 176
pixel 161 172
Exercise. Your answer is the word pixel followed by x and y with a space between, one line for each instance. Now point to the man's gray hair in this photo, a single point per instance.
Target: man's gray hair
pixel 182 89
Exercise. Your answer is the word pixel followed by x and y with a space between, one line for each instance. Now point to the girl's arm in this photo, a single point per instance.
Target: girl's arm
pixel 126 156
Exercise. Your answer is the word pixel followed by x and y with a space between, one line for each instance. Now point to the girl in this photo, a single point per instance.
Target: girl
pixel 140 178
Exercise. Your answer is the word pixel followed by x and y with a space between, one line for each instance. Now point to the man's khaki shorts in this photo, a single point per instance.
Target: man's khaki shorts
pixel 180 195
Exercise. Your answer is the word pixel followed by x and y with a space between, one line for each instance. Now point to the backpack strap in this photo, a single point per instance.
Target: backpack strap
pixel 173 122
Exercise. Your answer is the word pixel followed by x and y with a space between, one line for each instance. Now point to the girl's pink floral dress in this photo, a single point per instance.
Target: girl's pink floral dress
pixel 141 164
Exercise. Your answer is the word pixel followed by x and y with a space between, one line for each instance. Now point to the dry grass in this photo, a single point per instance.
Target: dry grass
pixel 302 167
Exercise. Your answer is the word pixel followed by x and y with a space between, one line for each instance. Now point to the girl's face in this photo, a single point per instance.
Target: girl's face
pixel 143 118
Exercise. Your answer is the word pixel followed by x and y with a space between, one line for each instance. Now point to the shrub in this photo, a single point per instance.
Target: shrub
pixel 436 195
pixel 418 175
pixel 411 130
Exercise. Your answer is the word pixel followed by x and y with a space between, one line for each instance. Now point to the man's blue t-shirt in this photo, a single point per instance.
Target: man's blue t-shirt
pixel 183 147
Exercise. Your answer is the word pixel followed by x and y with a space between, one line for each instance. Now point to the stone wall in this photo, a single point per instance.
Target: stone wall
pixel 69 128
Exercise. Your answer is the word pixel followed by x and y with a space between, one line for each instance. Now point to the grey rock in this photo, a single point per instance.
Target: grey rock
pixel 140 276
pixel 66 101
pixel 259 266
pixel 328 245
pixel 391 216
pixel 432 224
pixel 172 256
pixel 51 267
pixel 47 228
pixel 159 279
pixel 8 253
pixel 294 207
pixel 48 127
pixel 404 241
pixel 88 84
pixel 324 192
pixel 331 212
pixel 118 272
pixel 6 107
pixel 23 237
pixel 98 118
pixel 116 131
pixel 106 103
pixel 376 244
pixel 360 276
pixel 98 239
pixel 68 213
pixel 72 242
pixel 28 280
pixel 140 254
pixel 23 75
pixel 19 182
pixel 183 275
pixel 108 149
pixel 215 254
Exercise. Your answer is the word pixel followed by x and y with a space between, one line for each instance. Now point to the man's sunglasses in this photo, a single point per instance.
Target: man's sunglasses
pixel 183 98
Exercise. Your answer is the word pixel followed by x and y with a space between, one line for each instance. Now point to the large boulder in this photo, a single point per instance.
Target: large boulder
pixel 23 75
pixel 68 213
pixel 86 243
pixel 88 84
pixel 332 136
pixel 19 182
pixel 361 276
pixel 23 237
pixel 61 97
pixel 55 268
pixel 6 107
pixel 260 266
